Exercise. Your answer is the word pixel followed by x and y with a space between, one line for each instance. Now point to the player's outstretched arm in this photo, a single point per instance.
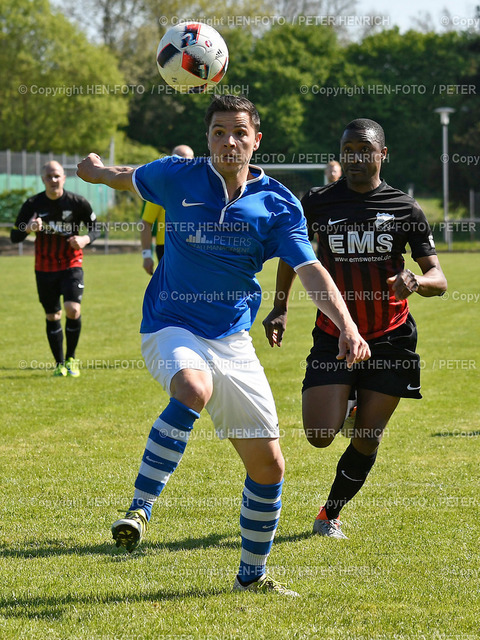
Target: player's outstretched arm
pixel 276 321
pixel 432 282
pixel 91 169
pixel 324 292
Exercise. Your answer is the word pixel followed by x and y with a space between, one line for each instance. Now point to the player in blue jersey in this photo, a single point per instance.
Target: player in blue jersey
pixel 224 218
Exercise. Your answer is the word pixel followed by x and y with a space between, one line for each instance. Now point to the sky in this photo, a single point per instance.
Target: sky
pixel 402 11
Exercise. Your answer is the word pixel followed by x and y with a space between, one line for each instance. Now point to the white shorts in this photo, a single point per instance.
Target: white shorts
pixel 242 404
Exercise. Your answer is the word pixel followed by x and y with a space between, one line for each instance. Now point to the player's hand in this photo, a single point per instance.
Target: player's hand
pixel 34 224
pixel 403 284
pixel 352 347
pixel 148 265
pixel 88 168
pixel 78 242
pixel 275 324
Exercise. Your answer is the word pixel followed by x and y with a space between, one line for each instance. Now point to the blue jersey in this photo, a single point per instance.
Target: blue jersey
pixel 214 247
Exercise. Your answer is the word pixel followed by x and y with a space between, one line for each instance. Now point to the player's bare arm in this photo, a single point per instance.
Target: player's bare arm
pixel 276 321
pixel 432 282
pixel 91 169
pixel 324 292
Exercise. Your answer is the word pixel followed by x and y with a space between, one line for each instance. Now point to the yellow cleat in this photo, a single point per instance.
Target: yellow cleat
pixel 265 584
pixel 60 371
pixel 72 367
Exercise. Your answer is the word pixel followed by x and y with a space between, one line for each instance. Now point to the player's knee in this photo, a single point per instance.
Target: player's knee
pixel 52 317
pixel 277 468
pixel 367 440
pixel 194 393
pixel 267 469
pixel 366 446
pixel 72 310
pixel 320 437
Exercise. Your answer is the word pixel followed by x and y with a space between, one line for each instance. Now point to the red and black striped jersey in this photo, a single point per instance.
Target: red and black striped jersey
pixel 67 216
pixel 361 241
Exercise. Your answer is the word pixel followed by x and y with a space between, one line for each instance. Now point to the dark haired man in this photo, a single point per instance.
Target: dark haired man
pixel 232 104
pixel 362 225
pixel 224 219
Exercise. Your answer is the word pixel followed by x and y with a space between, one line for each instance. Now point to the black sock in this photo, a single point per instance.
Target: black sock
pixel 72 332
pixel 55 339
pixel 352 471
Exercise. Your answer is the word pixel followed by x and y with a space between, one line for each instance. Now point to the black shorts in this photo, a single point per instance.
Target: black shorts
pixel 53 284
pixel 393 369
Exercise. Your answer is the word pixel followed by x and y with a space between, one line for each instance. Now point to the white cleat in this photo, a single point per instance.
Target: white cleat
pixel 328 528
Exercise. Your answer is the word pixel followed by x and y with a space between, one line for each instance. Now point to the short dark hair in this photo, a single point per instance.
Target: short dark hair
pixel 232 103
pixel 364 124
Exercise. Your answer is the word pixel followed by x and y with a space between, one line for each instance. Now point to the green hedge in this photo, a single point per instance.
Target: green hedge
pixel 10 203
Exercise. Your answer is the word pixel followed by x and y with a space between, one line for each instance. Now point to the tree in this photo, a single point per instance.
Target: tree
pixel 269 70
pixel 161 117
pixel 104 21
pixel 405 77
pixel 59 93
pixel 465 126
pixel 308 82
pixel 286 59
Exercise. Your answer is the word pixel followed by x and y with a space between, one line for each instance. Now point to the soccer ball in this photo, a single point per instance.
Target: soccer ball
pixel 191 57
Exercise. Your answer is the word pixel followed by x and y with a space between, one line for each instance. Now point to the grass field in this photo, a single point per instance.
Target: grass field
pixel 70 451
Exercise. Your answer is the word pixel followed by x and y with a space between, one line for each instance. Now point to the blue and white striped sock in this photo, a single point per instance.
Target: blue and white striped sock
pixel 261 506
pixel 165 446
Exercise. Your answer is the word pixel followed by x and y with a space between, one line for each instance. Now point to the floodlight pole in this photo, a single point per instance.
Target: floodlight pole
pixel 444 121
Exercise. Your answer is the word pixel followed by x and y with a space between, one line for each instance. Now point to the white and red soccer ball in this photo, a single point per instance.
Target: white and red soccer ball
pixel 191 57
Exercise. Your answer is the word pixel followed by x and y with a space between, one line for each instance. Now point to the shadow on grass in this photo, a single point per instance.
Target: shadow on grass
pixel 456 433
pixel 55 548
pixel 21 374
pixel 52 608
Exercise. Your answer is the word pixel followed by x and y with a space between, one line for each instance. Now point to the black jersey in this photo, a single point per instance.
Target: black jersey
pixel 361 241
pixel 62 218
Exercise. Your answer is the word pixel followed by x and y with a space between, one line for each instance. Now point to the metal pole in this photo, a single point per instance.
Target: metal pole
pixel 447 234
pixel 9 167
pixel 110 195
pixel 472 215
pixel 444 113
pixel 24 167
